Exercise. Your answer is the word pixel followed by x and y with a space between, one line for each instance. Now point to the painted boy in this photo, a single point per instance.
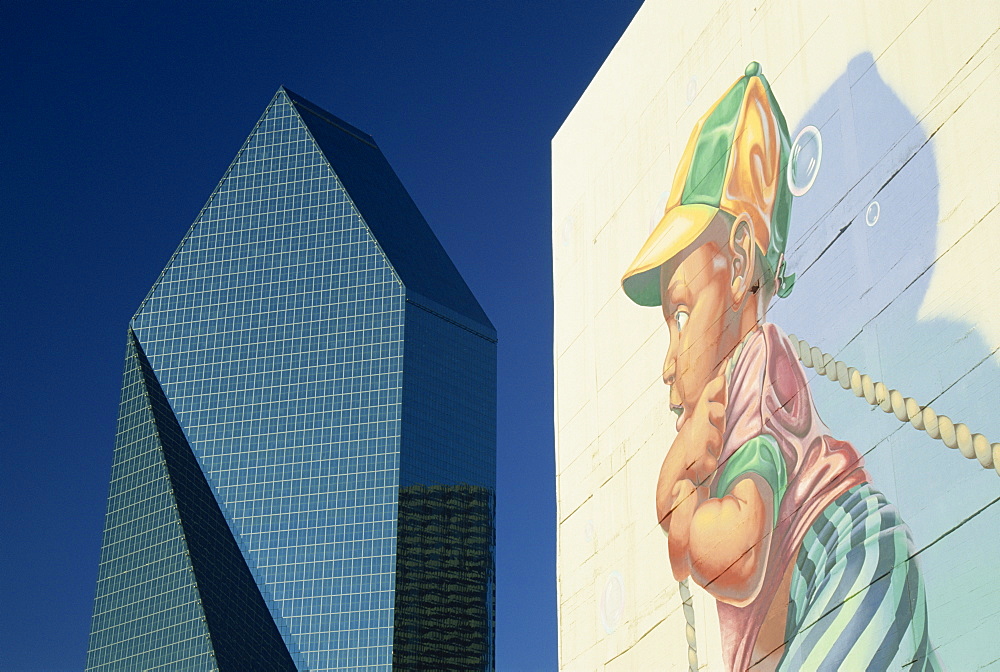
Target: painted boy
pixel 773 516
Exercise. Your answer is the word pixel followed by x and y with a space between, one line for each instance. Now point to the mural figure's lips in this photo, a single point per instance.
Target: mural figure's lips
pixel 679 410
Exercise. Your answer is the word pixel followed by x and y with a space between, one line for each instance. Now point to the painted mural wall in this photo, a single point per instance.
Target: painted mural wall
pixel 776 267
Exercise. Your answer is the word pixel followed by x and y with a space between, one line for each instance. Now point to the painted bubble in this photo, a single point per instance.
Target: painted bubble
pixel 872 213
pixel 613 602
pixel 804 160
pixel 588 530
pixel 568 227
pixel 692 89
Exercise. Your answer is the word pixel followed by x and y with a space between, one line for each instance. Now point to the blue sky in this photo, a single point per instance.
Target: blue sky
pixel 120 120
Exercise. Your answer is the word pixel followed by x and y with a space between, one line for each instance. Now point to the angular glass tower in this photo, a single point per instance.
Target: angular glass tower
pixel 304 470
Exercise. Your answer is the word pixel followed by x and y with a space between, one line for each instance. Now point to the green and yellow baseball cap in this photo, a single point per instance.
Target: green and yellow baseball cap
pixel 734 162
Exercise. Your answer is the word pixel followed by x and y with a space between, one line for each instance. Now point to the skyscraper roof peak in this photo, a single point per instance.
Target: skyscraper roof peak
pixel 315 109
pixel 389 212
pixel 386 208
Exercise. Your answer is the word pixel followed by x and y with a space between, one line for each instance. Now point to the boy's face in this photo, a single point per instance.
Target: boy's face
pixel 696 290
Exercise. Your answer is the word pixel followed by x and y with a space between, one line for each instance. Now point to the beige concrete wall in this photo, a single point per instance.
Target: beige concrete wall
pixel 912 298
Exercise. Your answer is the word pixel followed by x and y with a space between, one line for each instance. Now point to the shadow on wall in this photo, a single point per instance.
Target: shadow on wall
pixel 863 242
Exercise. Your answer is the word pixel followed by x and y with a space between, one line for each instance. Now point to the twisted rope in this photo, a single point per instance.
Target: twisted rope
pixel 906 409
pixel 688 606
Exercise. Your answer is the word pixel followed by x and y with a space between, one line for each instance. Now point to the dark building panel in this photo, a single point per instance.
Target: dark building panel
pixel 449 402
pixel 243 634
pixel 445 572
pixel 444 578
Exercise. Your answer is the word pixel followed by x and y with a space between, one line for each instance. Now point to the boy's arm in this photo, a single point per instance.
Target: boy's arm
pixel 722 542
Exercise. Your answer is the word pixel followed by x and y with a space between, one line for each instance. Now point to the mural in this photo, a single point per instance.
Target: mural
pixel 776 405
pixel 763 507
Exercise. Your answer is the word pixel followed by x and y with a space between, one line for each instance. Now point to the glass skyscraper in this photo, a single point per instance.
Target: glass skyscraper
pixel 304 470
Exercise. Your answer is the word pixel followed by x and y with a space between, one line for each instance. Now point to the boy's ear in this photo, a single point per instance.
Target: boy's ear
pixel 741 247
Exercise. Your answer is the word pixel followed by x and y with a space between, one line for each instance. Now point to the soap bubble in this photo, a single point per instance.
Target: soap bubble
pixel 612 602
pixel 804 160
pixel 568 229
pixel 872 213
pixel 692 89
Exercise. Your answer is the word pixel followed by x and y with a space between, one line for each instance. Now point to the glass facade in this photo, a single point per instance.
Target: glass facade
pixel 307 367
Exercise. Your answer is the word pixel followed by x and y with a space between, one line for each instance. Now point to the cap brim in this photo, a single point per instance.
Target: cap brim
pixel 679 227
